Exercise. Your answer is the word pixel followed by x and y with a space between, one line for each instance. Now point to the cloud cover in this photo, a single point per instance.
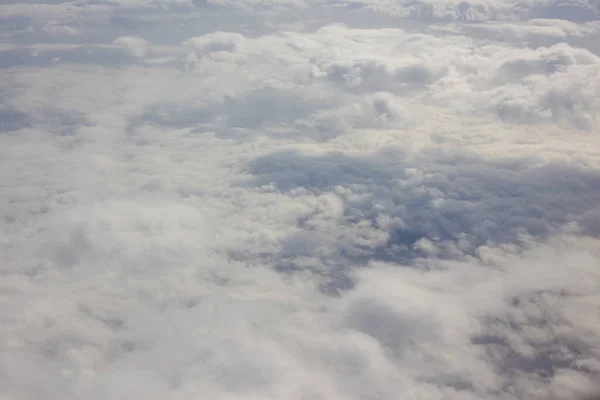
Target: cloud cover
pixel 299 199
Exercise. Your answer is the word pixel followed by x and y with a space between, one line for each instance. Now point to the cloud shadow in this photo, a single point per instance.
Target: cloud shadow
pixel 436 203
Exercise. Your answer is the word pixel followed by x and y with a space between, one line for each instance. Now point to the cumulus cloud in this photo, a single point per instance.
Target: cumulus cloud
pixel 135 45
pixel 443 205
pixel 299 199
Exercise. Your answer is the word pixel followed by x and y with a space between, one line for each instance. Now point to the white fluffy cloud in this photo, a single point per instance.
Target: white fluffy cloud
pixel 299 199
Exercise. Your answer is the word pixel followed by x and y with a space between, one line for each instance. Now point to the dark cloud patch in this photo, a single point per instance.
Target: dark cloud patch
pixel 11 119
pixel 534 36
pixel 33 2
pixel 373 76
pixel 178 24
pixel 570 10
pixel 514 343
pixel 468 11
pixel 27 57
pixel 267 106
pixel 289 170
pixel 518 69
pixel 14 23
pixel 173 116
pixel 437 203
pixel 62 122
pixel 290 112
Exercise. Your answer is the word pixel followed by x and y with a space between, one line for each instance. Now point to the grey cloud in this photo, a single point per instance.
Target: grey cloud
pixel 570 10
pixel 257 109
pixel 268 105
pixel 370 76
pixel 532 334
pixel 436 11
pixel 545 61
pixel 457 201
pixel 11 119
pixel 539 33
pixel 36 1
pixel 474 11
pixel 278 112
pixel 532 312
pixel 14 23
pixel 30 57
pixel 174 116
pixel 61 122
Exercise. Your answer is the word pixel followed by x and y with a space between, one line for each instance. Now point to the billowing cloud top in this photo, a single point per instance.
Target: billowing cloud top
pixel 299 199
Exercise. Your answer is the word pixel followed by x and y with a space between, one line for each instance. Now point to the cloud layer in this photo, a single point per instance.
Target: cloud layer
pixel 299 199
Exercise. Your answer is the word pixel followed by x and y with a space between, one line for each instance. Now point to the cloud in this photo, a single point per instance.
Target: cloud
pixel 579 11
pixel 431 204
pixel 11 119
pixel 215 42
pixel 473 11
pixel 235 330
pixel 300 199
pixel 539 33
pixel 135 45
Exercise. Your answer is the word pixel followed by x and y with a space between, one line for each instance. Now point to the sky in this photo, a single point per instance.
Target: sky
pixel 299 199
